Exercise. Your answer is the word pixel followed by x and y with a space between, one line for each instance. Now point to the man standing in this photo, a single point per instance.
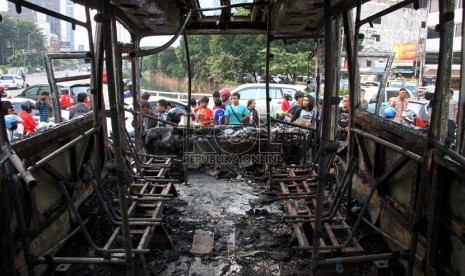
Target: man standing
pixel 162 113
pixel 66 100
pixel 236 113
pixel 299 97
pixel 80 108
pixel 399 103
pixel 225 93
pixel 453 112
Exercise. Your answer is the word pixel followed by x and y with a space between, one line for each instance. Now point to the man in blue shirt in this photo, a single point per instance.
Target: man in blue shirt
pixel 236 113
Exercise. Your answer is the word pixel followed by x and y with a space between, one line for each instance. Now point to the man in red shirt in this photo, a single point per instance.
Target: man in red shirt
pixel 204 114
pixel 285 106
pixel 66 100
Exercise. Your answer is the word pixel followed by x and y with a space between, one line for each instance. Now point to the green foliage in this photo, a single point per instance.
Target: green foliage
pixel 219 58
pixel 169 62
pixel 21 36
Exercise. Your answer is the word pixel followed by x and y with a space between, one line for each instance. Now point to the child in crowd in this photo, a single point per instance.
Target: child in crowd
pixel 203 113
pixel 218 112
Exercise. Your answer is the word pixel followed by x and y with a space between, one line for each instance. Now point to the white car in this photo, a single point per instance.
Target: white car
pixel 129 117
pixel 12 81
pixel 257 91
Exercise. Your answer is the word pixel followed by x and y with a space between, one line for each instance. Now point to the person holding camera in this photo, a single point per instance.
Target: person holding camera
pixel 44 106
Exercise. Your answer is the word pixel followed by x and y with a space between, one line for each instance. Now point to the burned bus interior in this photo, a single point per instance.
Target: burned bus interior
pixel 405 185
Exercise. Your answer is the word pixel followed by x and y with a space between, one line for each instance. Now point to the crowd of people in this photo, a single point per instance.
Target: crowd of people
pixel 24 124
pixel 223 109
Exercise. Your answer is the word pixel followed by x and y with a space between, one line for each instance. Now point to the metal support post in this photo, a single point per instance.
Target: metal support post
pixel 119 160
pixel 326 131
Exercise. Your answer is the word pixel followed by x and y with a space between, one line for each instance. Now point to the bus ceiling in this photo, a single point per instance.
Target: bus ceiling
pixel 303 18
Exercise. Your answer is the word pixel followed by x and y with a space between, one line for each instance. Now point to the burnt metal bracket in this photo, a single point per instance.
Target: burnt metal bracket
pixel 29 5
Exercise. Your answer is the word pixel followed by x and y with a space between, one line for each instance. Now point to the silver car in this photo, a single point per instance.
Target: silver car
pixel 257 91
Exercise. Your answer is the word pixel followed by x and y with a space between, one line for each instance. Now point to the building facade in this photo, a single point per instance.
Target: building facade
pixel 402 32
pixel 432 44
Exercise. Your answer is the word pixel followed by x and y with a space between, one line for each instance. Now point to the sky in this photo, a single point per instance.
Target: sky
pixel 3 5
pixel 80 34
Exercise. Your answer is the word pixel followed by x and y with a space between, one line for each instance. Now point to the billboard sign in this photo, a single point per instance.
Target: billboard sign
pixel 405 51
pixel 64 46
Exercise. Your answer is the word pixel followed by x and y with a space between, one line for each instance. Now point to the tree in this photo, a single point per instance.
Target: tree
pixel 168 62
pixel 23 36
pixel 218 58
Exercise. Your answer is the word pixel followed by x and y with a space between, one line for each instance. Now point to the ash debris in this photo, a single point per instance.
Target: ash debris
pixel 243 223
pixel 249 239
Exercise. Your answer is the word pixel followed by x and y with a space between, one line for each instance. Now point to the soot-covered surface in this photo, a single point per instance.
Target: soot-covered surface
pixel 249 235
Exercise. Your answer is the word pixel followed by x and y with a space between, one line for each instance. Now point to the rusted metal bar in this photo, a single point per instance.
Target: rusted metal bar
pixel 48 58
pixel 409 154
pixel 18 207
pixel 351 43
pixel 451 153
pixel 151 117
pixel 437 132
pixel 19 166
pixel 291 124
pixel 326 130
pixel 338 199
pixel 267 76
pixel 187 133
pixel 80 260
pixel 84 229
pixel 61 150
pixel 461 116
pixel 73 78
pixel 59 244
pixel 135 92
pixel 157 50
pixel 43 10
pixel 109 31
pixel 360 259
pixel 384 234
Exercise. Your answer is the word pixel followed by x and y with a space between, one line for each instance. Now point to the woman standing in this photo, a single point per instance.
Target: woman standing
pixel 304 115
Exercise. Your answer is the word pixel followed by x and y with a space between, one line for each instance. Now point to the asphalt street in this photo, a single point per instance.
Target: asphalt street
pixel 39 78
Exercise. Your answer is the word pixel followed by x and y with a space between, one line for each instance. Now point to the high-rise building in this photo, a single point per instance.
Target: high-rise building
pixel 432 44
pixel 402 32
pixel 50 25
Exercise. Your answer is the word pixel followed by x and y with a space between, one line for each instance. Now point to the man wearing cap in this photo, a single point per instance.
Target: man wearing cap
pixel 225 93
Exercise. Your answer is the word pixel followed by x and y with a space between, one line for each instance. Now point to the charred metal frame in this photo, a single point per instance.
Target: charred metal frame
pixel 428 170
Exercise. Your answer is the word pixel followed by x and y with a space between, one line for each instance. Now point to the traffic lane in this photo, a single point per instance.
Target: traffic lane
pixel 41 77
